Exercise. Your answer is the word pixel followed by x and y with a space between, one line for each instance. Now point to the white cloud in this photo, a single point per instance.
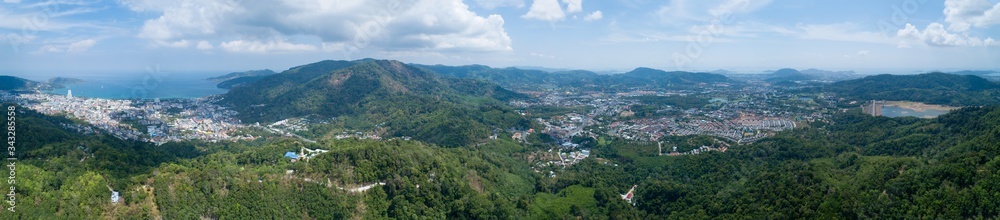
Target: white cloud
pixel 936 35
pixel 706 10
pixel 546 10
pixel 354 24
pixel 81 46
pixel 738 7
pixel 596 15
pixel 573 5
pixel 204 45
pixel 863 53
pixel 963 14
pixel 847 32
pixel 176 44
pixel 74 47
pixel 12 1
pixel 264 47
pixel 491 4
pixel 50 49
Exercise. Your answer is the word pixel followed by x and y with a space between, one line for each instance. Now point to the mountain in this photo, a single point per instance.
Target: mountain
pixel 819 72
pixel 546 69
pixel 790 76
pixel 510 77
pixel 654 77
pixel 975 72
pixel 12 83
pixel 234 75
pixel 63 81
pixel 987 74
pixel 783 75
pixel 234 79
pixel 723 72
pixel 408 100
pixel 933 88
pixel 515 78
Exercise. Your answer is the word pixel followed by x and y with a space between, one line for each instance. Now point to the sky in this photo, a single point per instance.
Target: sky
pixel 80 37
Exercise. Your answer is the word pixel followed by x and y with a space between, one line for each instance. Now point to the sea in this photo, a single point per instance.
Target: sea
pixel 142 86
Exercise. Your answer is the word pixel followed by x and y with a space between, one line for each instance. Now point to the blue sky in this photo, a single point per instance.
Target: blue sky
pixel 70 37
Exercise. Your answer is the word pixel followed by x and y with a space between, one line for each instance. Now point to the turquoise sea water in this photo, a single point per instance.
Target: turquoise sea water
pixel 143 87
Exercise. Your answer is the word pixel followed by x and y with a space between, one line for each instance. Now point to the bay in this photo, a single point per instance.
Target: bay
pixel 143 87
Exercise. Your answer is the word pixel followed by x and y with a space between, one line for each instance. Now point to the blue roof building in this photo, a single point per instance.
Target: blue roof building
pixel 291 154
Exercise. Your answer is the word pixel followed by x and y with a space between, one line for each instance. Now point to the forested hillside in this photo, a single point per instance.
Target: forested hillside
pixel 523 78
pixel 409 101
pixel 932 88
pixel 857 166
pixel 12 83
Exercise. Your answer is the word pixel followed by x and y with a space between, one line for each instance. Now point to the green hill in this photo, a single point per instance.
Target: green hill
pixel 516 78
pixel 653 77
pixel 933 88
pixel 63 81
pixel 63 175
pixel 854 168
pixel 234 79
pixel 234 75
pixel 786 75
pixel 12 83
pixel 409 101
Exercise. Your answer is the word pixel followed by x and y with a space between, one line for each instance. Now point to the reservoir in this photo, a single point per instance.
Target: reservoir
pixel 895 111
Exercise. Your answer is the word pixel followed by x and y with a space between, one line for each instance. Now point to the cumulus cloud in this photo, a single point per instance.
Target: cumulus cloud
pixel 936 35
pixel 596 15
pixel 546 10
pixel 491 4
pixel 353 24
pixel 963 14
pixel 264 47
pixel 573 5
pixel 863 53
pixel 551 10
pixel 204 45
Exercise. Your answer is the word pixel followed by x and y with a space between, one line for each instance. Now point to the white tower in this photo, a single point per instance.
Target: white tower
pixel 69 93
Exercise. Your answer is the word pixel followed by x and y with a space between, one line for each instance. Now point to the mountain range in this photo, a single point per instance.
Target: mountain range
pixel 641 77
pixel 792 75
pixel 407 100
pixel 933 88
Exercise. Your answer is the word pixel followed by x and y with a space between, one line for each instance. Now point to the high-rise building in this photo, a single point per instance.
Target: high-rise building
pixel 69 93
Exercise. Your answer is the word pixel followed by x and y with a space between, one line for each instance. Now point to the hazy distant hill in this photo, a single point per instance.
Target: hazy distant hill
pixel 63 81
pixel 987 74
pixel 523 78
pixel 12 83
pixel 935 88
pixel 647 76
pixel 409 100
pixel 819 72
pixel 787 75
